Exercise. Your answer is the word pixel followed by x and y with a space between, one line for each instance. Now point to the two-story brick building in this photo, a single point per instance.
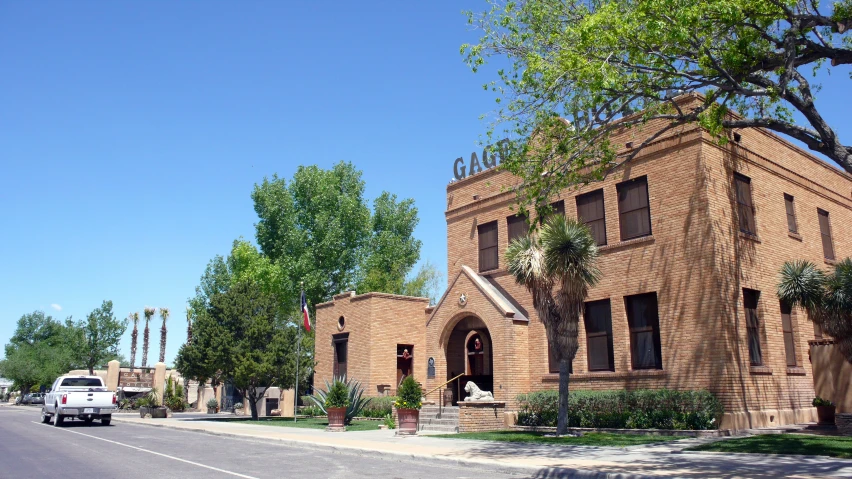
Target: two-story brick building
pixel 692 235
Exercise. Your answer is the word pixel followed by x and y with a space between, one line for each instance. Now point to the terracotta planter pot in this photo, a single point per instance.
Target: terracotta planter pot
pixel 336 417
pixel 408 419
pixel 825 414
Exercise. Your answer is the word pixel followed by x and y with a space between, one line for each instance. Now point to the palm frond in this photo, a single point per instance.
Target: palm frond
pixel 802 284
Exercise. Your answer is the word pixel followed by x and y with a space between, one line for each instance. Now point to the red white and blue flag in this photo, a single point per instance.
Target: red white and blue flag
pixel 305 312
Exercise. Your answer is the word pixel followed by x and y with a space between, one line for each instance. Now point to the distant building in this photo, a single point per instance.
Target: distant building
pixel 692 235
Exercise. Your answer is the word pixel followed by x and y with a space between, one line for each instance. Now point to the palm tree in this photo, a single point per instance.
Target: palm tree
pixel 134 338
pixel 827 298
pixel 557 266
pixel 164 313
pixel 188 325
pixel 149 312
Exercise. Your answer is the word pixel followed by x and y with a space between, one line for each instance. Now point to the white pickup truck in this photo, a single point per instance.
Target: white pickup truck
pixel 81 397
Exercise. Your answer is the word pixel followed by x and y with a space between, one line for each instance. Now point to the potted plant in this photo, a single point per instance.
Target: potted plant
pixel 212 406
pixel 825 410
pixel 238 409
pixel 408 402
pixel 143 405
pixel 336 402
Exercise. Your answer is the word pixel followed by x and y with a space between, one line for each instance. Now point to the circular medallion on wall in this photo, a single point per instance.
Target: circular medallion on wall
pixel 462 299
pixel 341 322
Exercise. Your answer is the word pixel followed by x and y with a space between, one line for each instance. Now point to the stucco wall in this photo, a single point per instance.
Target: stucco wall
pixel 832 375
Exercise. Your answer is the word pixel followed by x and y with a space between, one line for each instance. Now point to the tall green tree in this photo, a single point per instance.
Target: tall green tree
pixel 594 63
pixel 558 265
pixel 146 335
pixel 164 315
pixel 827 298
pixel 134 338
pixel 40 350
pixel 102 334
pixel 242 337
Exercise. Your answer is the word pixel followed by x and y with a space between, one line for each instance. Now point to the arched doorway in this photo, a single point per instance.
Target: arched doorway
pixel 470 353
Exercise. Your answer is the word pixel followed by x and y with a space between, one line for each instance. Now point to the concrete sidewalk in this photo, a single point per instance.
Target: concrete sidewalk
pixel 535 460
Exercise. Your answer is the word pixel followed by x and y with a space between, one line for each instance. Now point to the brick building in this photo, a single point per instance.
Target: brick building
pixel 692 235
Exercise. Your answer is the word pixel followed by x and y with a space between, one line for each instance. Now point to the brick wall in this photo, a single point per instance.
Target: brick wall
pixel 481 416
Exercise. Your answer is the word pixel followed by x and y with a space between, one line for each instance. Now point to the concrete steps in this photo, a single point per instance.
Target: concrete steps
pixel 435 419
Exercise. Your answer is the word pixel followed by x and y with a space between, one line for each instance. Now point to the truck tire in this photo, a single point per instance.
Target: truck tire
pixel 105 422
pixel 88 421
pixel 45 418
pixel 57 418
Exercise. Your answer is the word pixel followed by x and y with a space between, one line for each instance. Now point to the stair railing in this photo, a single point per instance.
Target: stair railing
pixel 441 393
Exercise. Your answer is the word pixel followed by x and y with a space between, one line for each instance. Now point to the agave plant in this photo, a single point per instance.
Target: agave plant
pixel 164 313
pixel 356 400
pixel 134 338
pixel 149 312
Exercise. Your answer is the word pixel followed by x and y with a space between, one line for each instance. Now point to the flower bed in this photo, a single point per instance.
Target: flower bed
pixel 640 409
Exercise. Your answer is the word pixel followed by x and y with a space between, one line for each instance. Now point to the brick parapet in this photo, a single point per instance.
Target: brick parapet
pixel 481 416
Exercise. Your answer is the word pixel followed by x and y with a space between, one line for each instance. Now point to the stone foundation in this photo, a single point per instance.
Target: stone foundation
pixel 481 416
pixel 843 421
pixel 767 418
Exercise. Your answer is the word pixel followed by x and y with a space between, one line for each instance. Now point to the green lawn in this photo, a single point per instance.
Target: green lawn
pixel 588 439
pixel 310 423
pixel 784 444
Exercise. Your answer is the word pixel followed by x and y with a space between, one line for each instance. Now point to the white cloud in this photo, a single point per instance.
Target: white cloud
pixel 56 307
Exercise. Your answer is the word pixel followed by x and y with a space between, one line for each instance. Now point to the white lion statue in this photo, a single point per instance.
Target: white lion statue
pixel 476 394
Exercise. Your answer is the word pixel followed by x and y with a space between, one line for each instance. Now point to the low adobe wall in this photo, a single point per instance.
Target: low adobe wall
pixel 480 416
pixel 832 374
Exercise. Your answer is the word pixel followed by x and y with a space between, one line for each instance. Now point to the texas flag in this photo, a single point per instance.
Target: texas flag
pixel 305 312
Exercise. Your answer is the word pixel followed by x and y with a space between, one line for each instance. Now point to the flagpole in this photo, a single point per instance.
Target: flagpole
pixel 298 353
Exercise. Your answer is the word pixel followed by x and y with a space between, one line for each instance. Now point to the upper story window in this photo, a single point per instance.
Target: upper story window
pixel 558 208
pixel 590 210
pixel 787 328
pixel 598 322
pixel 517 225
pixel 750 299
pixel 792 227
pixel 745 206
pixel 825 232
pixel 488 255
pixel 633 208
pixel 644 321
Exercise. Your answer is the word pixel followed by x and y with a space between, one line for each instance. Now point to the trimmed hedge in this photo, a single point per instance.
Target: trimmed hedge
pixel 640 409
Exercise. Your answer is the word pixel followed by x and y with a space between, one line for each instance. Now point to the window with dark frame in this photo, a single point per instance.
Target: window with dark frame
pixel 634 212
pixel 825 232
pixel 517 226
pixel 558 207
pixel 488 254
pixel 787 328
pixel 750 302
pixel 792 227
pixel 598 322
pixel 644 321
pixel 590 210
pixel 341 353
pixel 745 206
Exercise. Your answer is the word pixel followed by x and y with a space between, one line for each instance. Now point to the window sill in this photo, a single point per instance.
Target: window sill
pixel 750 237
pixel 831 262
pixel 609 375
pixel 796 371
pixel 760 370
pixel 795 236
pixel 626 243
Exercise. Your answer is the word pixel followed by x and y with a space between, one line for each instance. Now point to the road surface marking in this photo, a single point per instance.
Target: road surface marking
pixel 154 452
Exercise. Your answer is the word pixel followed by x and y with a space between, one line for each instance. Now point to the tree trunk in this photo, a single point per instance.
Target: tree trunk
pixel 564 376
pixel 91 370
pixel 253 402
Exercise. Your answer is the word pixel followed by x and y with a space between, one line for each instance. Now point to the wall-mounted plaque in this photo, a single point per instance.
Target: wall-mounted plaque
pixel 430 370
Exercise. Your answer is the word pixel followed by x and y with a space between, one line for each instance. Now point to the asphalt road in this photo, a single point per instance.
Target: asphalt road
pixel 31 449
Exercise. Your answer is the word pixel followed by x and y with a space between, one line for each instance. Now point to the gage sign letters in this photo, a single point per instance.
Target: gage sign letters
pixel 460 170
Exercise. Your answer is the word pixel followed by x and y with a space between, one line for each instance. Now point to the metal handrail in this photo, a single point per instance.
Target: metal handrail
pixel 443 384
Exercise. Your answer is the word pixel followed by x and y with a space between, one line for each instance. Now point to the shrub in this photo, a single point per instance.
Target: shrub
pixel 818 402
pixel 640 409
pixel 379 407
pixel 389 422
pixel 238 405
pixel 212 403
pixel 337 395
pixel 355 397
pixel 409 395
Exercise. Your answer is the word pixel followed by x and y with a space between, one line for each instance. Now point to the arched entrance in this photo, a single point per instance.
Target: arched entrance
pixel 469 352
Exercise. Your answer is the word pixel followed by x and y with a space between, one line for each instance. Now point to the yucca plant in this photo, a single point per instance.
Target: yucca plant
pixel 557 266
pixel 827 298
pixel 134 338
pixel 149 312
pixel 164 314
pixel 355 393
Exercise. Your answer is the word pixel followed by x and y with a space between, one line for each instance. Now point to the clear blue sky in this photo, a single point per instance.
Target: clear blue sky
pixel 131 133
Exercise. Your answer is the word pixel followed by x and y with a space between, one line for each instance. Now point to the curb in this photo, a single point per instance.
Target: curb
pixel 530 471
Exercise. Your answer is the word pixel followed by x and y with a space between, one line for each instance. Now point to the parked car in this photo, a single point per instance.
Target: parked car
pixel 36 398
pixel 25 399
pixel 81 397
